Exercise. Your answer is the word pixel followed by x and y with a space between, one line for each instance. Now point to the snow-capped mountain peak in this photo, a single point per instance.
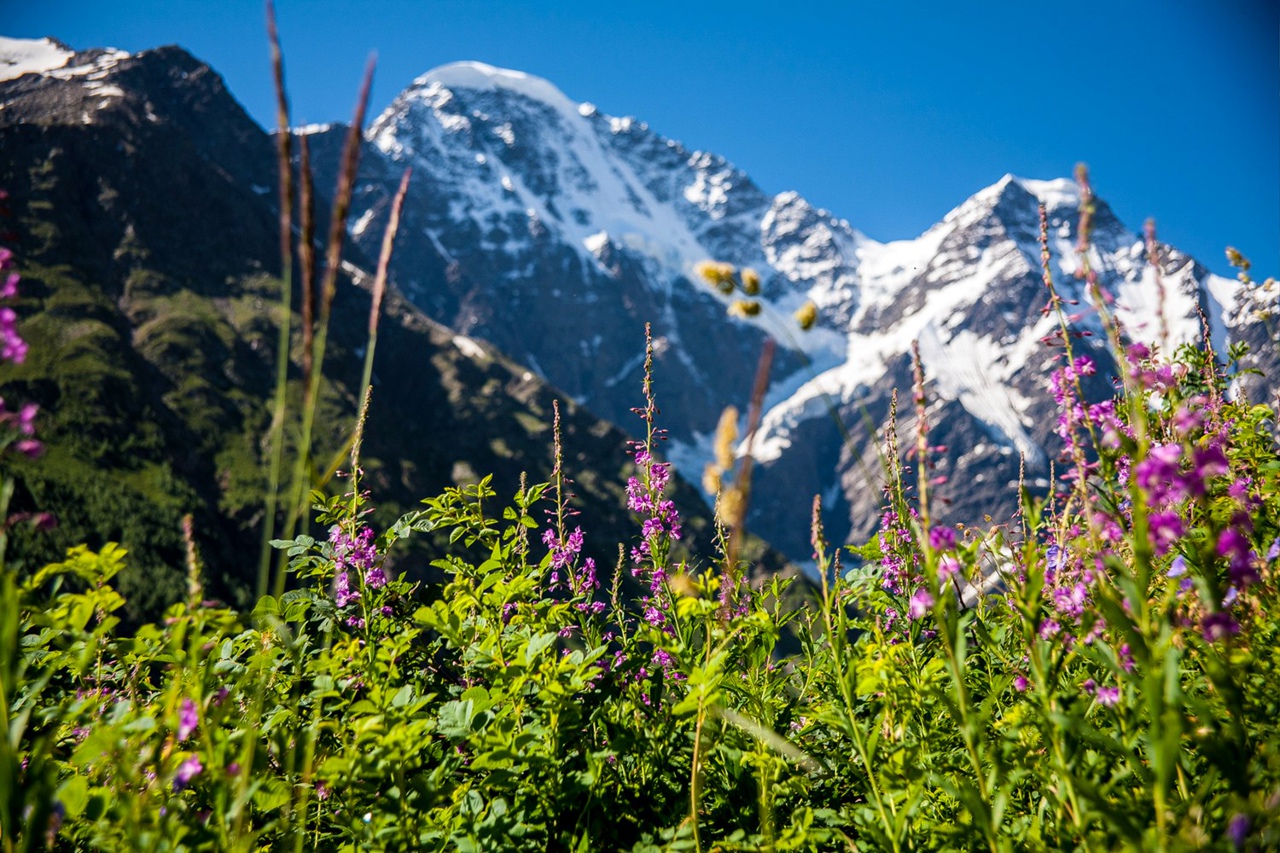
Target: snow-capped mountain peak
pixel 521 156
pixel 50 58
pixel 480 77
pixel 555 231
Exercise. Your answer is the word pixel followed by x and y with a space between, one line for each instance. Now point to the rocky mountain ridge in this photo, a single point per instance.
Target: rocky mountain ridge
pixel 551 229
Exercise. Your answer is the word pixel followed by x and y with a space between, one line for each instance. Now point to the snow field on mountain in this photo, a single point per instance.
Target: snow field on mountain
pixel 30 56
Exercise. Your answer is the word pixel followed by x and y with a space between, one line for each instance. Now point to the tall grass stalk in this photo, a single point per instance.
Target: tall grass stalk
pixel 302 479
pixel 380 280
pixel 278 409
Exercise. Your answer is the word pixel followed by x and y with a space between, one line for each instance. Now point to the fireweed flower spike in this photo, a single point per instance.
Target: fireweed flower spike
pixel 12 346
pixel 646 496
pixel 354 554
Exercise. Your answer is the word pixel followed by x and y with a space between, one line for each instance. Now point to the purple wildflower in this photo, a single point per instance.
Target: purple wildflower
pixel 638 499
pixel 651 527
pixel 1165 529
pixel 942 538
pixel 27 419
pixel 1055 561
pixel 1216 626
pixel 353 551
pixel 1238 830
pixel 1070 600
pixel 659 473
pixel 1158 474
pixel 10 288
pixel 29 447
pixel 1188 418
pixel 919 605
pixel 1208 462
pixel 342 592
pixel 187 770
pixel 1235 546
pixel 1239 490
pixel 12 346
pixel 562 553
pixel 188 719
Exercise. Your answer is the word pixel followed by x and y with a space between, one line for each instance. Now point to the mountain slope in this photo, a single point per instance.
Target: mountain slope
pixel 145 224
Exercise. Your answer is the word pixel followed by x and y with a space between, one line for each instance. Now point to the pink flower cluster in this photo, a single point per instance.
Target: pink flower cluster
pixel 12 346
pixel 660 526
pixel 580 582
pixel 359 555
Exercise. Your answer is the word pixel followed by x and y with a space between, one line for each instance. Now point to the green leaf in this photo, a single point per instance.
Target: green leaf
pixel 539 644
pixel 403 697
pixel 141 724
pixel 478 697
pixel 74 795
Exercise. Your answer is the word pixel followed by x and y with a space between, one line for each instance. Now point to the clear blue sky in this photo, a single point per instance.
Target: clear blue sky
pixel 888 114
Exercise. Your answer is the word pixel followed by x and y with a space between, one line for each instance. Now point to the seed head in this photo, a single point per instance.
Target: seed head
pixel 806 316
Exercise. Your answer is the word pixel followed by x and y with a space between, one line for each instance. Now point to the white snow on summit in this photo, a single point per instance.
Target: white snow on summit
pixel 45 57
pixel 481 77
pixel 30 56
pixel 546 156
